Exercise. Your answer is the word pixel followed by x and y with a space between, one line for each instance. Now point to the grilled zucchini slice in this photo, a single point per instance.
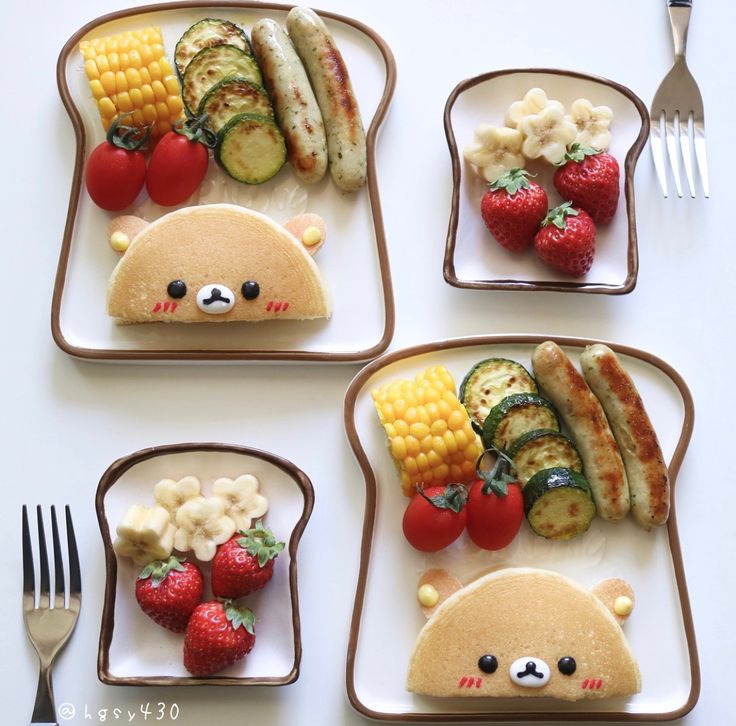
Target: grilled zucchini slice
pixel 210 66
pixel 543 449
pixel 208 33
pixel 558 503
pixel 516 415
pixel 251 148
pixel 489 382
pixel 233 96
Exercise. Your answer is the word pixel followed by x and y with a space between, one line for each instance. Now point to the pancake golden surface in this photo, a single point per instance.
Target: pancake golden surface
pixel 216 263
pixel 523 632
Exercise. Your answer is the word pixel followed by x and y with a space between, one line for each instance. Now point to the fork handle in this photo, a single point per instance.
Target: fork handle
pixel 679 11
pixel 44 711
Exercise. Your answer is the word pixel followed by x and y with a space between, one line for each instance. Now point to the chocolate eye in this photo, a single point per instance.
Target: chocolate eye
pixel 177 289
pixel 488 663
pixel 251 290
pixel 567 665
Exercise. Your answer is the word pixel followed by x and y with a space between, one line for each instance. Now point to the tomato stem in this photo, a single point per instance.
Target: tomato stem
pixel 196 130
pixel 130 138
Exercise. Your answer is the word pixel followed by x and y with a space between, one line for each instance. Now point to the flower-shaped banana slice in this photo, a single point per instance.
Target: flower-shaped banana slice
pixel 202 525
pixel 243 501
pixel 593 124
pixel 547 134
pixel 494 151
pixel 533 102
pixel 145 534
pixel 172 494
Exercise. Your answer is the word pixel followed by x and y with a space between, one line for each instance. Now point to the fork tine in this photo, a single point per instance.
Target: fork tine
pixel 669 124
pixel 58 562
pixel 29 575
pixel 700 156
pixel 687 153
pixel 75 577
pixel 43 562
pixel 658 153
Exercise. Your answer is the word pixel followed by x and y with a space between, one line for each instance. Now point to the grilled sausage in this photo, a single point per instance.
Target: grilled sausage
pixel 649 484
pixel 582 412
pixel 346 147
pixel 293 100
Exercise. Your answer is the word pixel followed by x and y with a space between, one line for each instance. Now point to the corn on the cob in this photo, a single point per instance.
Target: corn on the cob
pixel 429 432
pixel 129 72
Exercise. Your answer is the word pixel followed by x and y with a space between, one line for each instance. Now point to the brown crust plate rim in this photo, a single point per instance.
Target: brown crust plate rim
pixel 562 285
pixel 188 354
pixel 369 518
pixel 108 480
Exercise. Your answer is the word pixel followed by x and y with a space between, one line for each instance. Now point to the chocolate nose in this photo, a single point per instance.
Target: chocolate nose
pixel 215 299
pixel 529 672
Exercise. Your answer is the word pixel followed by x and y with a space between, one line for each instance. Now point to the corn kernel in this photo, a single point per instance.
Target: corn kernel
pixel 163 127
pixel 449 438
pixel 438 445
pixel 426 444
pixel 134 58
pixel 136 97
pixel 137 118
pixel 107 108
pixel 123 102
pixel 422 463
pixel 419 430
pixel 107 80
pixel 439 427
pixel 390 430
pixel 398 448
pixel 441 472
pixel 176 106
pixel 114 61
pixel 133 78
pixel 146 55
pixel 90 68
pixel 157 49
pixel 98 91
pixel 402 428
pixel 455 420
pixel 148 95
pixel 413 446
pixel 159 91
pixel 149 113
pixel 410 468
pixel 433 457
pixel 121 82
pixel 155 70
pixel 171 84
pixel 162 110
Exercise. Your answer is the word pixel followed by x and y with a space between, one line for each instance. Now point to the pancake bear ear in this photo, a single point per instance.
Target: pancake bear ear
pixel 122 230
pixel 309 229
pixel 617 596
pixel 434 587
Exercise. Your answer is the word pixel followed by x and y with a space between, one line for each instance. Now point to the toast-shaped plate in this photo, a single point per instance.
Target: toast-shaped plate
pixel 473 259
pixel 133 650
pixel 354 261
pixel 384 629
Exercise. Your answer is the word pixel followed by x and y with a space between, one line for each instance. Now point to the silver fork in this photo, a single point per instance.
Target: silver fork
pixel 679 102
pixel 49 627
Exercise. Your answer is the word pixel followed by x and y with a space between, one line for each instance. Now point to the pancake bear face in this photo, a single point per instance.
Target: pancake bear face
pixel 216 263
pixel 523 632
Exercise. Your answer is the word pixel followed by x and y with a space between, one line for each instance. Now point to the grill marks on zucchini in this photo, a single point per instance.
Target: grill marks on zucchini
pixel 251 148
pixel 208 33
pixel 233 96
pixel 543 449
pixel 558 503
pixel 212 65
pixel 516 415
pixel 489 382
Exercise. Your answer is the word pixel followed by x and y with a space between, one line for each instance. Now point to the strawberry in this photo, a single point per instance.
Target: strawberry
pixel 218 635
pixel 168 591
pixel 567 240
pixel 245 562
pixel 590 179
pixel 512 209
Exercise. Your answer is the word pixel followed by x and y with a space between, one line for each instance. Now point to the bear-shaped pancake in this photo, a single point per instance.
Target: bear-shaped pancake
pixel 523 632
pixel 216 263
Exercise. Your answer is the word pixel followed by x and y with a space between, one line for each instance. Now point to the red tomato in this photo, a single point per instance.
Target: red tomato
pixel 116 169
pixel 494 518
pixel 435 517
pixel 178 164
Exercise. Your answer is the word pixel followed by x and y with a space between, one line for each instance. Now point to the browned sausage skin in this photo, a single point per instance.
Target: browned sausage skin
pixel 647 474
pixel 582 413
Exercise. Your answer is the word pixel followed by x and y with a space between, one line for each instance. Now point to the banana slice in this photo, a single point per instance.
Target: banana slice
pixel 533 102
pixel 145 534
pixel 172 494
pixel 243 502
pixel 494 151
pixel 547 134
pixel 593 124
pixel 202 525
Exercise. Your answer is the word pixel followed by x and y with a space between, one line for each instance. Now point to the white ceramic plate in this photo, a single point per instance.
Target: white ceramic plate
pixel 136 651
pixel 387 617
pixel 472 257
pixel 354 260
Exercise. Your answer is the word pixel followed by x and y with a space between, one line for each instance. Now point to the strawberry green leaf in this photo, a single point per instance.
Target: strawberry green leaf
pixel 158 570
pixel 260 542
pixel 577 153
pixel 559 215
pixel 239 616
pixel 512 181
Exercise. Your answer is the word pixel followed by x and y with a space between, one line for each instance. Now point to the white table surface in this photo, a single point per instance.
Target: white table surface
pixel 64 421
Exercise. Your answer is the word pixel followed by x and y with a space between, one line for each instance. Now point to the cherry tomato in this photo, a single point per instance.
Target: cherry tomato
pixel 116 169
pixel 435 517
pixel 178 163
pixel 495 507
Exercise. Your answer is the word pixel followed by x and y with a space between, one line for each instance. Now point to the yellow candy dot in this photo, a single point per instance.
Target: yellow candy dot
pixel 428 595
pixel 623 605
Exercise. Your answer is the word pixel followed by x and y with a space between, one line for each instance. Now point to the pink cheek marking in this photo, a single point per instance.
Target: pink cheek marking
pixel 462 682
pixel 167 305
pixel 157 307
pixel 584 684
pixel 592 684
pixel 173 306
pixel 277 306
pixel 286 306
pixel 269 307
pixel 469 682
